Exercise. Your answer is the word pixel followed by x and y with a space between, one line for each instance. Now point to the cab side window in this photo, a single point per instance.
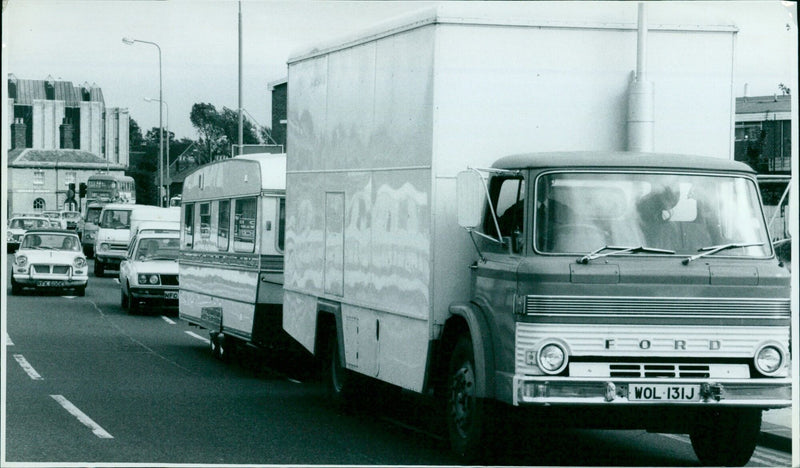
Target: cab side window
pixel 507 196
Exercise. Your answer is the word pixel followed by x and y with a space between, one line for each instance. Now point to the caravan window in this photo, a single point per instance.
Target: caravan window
pixel 223 225
pixel 188 225
pixel 205 220
pixel 244 225
pixel 281 224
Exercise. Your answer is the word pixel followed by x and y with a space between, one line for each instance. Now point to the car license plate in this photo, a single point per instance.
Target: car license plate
pixel 50 284
pixel 170 294
pixel 663 392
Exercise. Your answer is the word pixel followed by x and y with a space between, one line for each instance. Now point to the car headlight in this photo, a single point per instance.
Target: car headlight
pixel 151 279
pixel 89 235
pixel 9 235
pixel 768 360
pixel 21 261
pixel 79 262
pixel 552 358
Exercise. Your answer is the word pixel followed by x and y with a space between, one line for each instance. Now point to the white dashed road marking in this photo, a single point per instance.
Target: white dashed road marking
pixel 8 341
pixel 26 366
pixel 116 280
pixel 195 335
pixel 168 320
pixel 85 420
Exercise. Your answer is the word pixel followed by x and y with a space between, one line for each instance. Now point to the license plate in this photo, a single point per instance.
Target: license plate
pixel 50 284
pixel 170 294
pixel 663 392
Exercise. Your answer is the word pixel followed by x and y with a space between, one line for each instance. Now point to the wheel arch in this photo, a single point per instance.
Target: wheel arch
pixel 329 319
pixel 468 319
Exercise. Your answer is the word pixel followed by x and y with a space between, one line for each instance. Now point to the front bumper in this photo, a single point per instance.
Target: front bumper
pixel 51 281
pixel 106 259
pixel 548 390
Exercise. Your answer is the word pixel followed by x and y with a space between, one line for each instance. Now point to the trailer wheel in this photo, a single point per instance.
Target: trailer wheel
pixel 726 438
pixel 213 340
pixel 465 412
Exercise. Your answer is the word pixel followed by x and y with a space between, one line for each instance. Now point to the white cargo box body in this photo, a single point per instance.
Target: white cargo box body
pixel 379 125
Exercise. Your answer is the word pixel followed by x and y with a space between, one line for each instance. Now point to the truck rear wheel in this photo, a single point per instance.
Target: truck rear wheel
pixel 465 411
pixel 340 381
pixel 726 437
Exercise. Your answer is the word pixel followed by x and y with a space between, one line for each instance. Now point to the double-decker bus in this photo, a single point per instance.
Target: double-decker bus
pixel 110 188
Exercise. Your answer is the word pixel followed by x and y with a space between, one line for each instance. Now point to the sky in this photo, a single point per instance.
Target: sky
pixel 81 41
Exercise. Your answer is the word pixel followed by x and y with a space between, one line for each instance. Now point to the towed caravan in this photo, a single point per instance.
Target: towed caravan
pixel 231 253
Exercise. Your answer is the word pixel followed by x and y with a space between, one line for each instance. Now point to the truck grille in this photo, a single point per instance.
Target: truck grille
pixel 659 370
pixel 169 280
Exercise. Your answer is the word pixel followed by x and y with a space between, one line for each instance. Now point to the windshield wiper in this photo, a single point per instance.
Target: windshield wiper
pixel 617 250
pixel 161 257
pixel 712 249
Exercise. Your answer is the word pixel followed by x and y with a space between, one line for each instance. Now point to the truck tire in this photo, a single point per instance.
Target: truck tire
pixel 99 269
pixel 726 437
pixel 341 382
pixel 465 412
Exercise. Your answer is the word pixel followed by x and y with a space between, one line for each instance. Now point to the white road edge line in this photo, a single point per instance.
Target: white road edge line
pixel 195 335
pixel 27 367
pixel 168 320
pixel 293 380
pixel 85 420
pixel 8 341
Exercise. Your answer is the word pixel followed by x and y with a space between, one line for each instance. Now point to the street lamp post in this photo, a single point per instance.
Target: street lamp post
pixel 130 41
pixel 168 137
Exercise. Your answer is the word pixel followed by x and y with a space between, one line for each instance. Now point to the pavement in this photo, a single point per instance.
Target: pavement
pixel 776 429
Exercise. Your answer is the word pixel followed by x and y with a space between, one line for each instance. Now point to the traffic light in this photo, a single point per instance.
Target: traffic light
pixel 82 192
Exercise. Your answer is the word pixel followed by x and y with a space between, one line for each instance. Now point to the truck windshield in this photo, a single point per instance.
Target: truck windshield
pixel 580 212
pixel 116 219
pixel 93 215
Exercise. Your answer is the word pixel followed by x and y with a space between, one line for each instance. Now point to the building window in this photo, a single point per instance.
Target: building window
pixel 750 131
pixel 38 177
pixel 69 177
pixel 38 204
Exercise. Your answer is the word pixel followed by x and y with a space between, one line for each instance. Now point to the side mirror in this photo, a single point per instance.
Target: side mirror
pixel 470 192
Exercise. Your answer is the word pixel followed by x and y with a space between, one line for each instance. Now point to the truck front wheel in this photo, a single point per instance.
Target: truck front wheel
pixel 465 412
pixel 726 437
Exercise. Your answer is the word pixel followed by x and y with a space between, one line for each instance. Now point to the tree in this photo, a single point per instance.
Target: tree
pixel 135 138
pixel 206 120
pixel 220 130
pixel 784 89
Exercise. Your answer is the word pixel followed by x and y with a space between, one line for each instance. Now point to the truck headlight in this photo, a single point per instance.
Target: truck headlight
pixel 89 235
pixel 768 360
pixel 103 247
pixel 552 358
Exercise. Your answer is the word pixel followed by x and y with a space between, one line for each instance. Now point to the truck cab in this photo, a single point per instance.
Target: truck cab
pixel 641 289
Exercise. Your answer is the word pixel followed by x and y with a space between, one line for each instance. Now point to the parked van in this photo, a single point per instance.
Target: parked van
pixel 114 233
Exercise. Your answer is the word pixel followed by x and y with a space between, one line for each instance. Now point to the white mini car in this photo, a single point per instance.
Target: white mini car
pixel 17 227
pixel 50 259
pixel 149 273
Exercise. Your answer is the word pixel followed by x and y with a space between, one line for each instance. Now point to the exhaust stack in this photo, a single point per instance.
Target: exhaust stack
pixel 641 95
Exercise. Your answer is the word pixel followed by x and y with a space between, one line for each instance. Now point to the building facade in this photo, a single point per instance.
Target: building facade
pixel 764 133
pixel 44 105
pixel 39 179
pixel 59 134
